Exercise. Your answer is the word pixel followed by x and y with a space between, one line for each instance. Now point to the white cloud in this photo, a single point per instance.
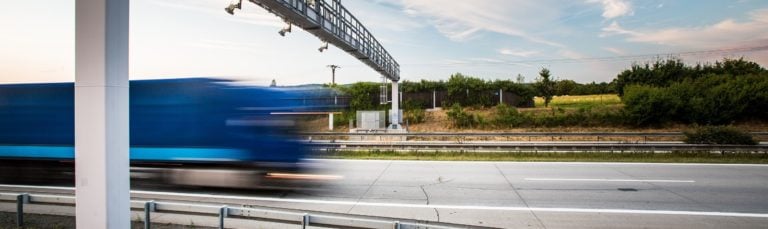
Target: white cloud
pixel 760 15
pixel 615 50
pixel 615 29
pixel 464 20
pixel 614 8
pixel 570 54
pixel 383 14
pixel 488 60
pixel 456 31
pixel 723 33
pixel 520 53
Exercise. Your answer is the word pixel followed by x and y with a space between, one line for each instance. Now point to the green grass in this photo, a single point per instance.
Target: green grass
pixel 581 101
pixel 676 157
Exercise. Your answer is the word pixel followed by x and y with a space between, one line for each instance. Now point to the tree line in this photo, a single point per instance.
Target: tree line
pixel 709 94
pixel 472 91
pixel 653 93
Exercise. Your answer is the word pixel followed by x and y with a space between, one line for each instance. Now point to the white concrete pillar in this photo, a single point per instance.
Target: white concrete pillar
pixel 101 114
pixel 434 99
pixel 395 112
pixel 501 96
pixel 330 121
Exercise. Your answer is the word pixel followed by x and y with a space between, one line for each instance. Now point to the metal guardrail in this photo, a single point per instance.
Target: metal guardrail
pixel 513 134
pixel 222 211
pixel 532 146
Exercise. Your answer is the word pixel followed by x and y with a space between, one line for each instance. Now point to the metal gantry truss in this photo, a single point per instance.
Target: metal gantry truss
pixel 332 23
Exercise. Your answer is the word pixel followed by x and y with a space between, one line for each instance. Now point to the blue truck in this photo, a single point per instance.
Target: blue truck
pixel 196 131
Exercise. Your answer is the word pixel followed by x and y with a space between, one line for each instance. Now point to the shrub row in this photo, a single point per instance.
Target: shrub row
pixel 718 135
pixel 663 73
pixel 508 117
pixel 708 100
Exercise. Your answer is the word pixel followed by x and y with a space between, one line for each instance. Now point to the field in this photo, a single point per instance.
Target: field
pixel 580 101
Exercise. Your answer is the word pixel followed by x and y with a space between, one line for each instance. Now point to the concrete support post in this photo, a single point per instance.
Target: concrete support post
pixel 395 112
pixel 434 99
pixel 101 114
pixel 330 121
pixel 501 96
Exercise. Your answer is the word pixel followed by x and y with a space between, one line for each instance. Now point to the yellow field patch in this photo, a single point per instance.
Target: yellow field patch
pixel 576 101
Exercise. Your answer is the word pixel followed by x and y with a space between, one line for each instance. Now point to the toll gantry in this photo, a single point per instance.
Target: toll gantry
pixel 330 21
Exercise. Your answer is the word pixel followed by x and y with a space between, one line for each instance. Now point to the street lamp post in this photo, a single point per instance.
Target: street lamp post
pixel 333 73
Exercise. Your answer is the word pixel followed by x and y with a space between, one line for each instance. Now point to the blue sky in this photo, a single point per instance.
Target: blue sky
pixel 431 39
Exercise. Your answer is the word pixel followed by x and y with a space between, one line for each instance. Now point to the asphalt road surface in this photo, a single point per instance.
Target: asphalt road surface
pixel 540 195
pixel 529 195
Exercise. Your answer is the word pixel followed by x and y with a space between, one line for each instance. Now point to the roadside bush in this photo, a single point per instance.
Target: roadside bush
pixel 708 100
pixel 343 118
pixel 647 105
pixel 718 135
pixel 413 112
pixel 363 96
pixel 463 119
pixel 507 116
pixel 415 116
pixel 663 73
pixel 468 90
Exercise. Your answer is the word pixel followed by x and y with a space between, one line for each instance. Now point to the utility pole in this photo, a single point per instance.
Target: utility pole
pixel 333 73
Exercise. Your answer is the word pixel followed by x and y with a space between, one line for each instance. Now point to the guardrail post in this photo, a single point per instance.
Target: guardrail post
pixel 305 221
pixel 396 225
pixel 149 206
pixel 223 212
pixel 21 199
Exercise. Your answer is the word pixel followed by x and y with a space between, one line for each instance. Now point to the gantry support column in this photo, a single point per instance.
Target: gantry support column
pixel 101 114
pixel 394 114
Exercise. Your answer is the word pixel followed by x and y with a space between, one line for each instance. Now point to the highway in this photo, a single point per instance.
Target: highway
pixel 552 195
pixel 525 195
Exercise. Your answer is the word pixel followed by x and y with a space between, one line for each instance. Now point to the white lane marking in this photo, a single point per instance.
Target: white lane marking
pixel 543 162
pixel 458 207
pixel 610 180
pixel 468 207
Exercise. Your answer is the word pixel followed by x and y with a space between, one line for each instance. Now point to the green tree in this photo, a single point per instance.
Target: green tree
pixel 565 87
pixel 363 95
pixel 663 73
pixel 520 79
pixel 545 86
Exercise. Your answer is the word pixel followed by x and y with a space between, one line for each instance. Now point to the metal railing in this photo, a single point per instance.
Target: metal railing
pixel 513 134
pixel 452 146
pixel 222 212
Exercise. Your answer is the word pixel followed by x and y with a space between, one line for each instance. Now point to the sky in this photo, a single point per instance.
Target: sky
pixel 581 40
